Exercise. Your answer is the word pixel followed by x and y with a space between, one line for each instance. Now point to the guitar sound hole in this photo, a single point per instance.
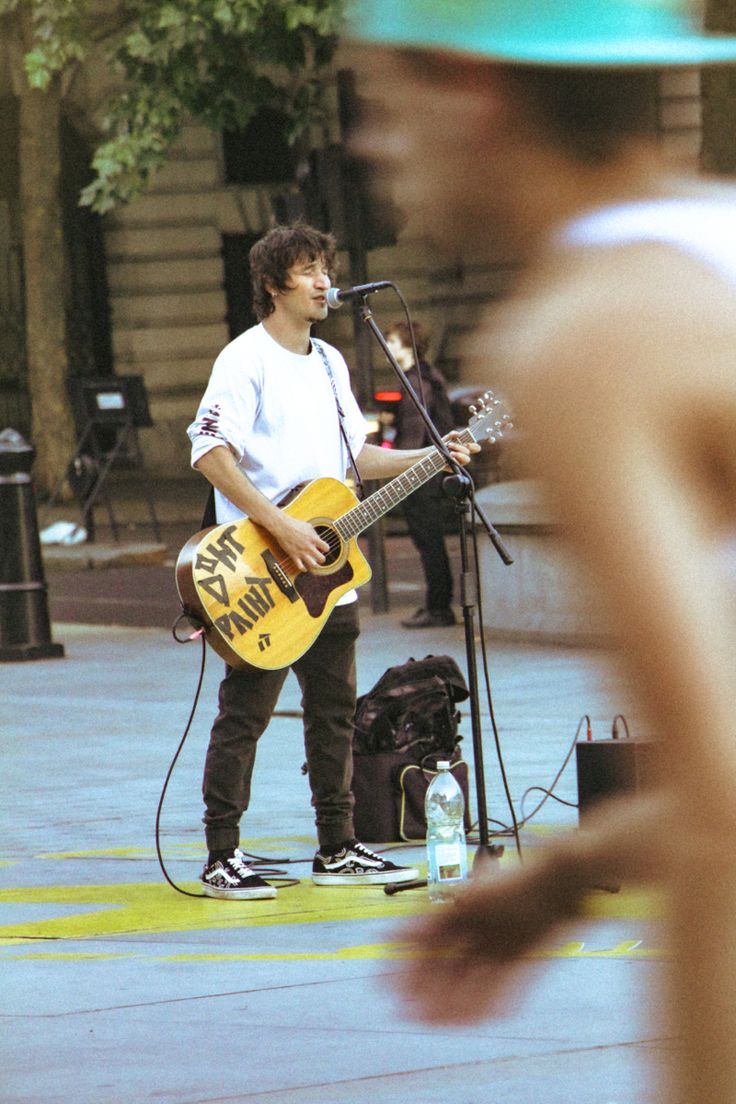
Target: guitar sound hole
pixel 333 539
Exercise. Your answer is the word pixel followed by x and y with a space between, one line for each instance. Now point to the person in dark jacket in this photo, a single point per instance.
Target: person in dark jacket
pixel 423 509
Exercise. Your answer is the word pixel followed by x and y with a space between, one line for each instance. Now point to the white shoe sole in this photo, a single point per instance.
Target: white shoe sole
pixel 385 878
pixel 259 893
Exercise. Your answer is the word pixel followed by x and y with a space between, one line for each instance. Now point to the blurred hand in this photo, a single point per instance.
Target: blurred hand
pixel 465 956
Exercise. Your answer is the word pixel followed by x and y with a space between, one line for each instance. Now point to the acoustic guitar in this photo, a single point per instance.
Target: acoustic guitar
pixel 256 607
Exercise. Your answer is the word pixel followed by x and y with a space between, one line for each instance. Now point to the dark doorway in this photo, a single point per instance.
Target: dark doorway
pixel 88 330
pixel 238 296
pixel 260 153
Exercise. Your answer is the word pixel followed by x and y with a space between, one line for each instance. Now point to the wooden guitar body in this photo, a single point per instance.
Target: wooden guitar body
pixel 256 607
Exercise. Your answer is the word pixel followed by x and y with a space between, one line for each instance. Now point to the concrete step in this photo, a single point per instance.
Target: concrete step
pixel 102 555
pixel 136 277
pixel 168 342
pixel 684 148
pixel 197 306
pixel 167 209
pixel 187 174
pixel 196 141
pixel 134 244
pixel 185 378
pixel 680 115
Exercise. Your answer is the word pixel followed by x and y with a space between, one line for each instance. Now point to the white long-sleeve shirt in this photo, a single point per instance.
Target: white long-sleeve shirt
pixel 276 411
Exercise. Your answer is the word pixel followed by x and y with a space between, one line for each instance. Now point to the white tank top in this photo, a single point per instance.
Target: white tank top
pixel 705 228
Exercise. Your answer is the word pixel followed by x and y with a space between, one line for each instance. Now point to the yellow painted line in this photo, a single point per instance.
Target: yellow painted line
pixel 629 904
pixel 272 845
pixel 628 949
pixel 143 908
pixel 120 909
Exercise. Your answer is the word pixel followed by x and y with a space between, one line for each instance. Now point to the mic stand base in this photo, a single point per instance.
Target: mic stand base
pixel 486 859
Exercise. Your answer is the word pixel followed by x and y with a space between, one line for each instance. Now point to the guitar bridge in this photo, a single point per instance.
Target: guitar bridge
pixel 279 576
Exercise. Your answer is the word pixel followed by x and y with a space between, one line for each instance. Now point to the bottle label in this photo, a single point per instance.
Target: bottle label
pixel 449 861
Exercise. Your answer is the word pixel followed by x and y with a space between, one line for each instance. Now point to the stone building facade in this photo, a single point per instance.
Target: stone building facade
pixel 175 274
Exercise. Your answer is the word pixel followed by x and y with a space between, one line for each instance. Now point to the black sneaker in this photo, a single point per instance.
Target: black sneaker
pixel 356 864
pixel 231 879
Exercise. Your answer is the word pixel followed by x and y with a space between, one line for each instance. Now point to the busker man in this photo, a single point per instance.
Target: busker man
pixel 529 125
pixel 278 411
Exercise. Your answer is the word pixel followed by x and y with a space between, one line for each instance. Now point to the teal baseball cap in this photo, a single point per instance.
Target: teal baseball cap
pixel 571 33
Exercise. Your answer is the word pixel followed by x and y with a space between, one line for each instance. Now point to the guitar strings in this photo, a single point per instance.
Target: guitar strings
pixel 335 540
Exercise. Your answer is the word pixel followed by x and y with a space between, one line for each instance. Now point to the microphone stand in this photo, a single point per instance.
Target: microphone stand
pixel 459 487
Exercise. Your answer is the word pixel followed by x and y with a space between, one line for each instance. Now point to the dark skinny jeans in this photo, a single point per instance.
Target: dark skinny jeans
pixel 247 699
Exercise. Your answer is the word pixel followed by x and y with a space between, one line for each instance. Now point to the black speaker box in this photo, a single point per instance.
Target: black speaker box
pixel 610 767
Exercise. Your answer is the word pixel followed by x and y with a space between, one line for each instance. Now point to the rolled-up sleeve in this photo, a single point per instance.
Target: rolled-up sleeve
pixel 225 413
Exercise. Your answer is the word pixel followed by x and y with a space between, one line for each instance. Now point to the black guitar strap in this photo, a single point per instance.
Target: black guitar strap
pixel 209 516
pixel 340 416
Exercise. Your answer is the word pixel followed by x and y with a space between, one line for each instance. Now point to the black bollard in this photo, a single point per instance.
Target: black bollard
pixel 25 629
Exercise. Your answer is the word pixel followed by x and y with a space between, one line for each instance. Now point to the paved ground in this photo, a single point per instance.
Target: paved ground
pixel 119 990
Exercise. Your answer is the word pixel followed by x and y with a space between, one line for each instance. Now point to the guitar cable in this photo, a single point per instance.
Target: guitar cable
pixel 273 874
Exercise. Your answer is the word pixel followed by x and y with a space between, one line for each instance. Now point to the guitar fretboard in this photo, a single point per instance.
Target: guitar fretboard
pixel 381 501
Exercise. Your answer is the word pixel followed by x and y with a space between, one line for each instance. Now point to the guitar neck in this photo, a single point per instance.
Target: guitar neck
pixel 363 515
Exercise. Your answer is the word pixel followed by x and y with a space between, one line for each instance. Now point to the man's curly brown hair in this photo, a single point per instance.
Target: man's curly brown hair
pixel 279 250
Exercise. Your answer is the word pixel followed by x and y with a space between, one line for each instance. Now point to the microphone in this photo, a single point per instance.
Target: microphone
pixel 335 297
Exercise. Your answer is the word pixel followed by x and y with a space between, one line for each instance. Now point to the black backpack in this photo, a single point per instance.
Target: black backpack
pixel 412 710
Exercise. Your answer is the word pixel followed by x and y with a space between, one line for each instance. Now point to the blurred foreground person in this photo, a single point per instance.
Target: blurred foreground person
pixel 530 126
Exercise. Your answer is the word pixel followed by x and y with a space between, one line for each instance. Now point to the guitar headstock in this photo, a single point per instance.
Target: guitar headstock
pixel 490 418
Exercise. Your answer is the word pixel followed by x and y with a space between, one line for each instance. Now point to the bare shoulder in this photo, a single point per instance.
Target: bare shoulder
pixel 646 321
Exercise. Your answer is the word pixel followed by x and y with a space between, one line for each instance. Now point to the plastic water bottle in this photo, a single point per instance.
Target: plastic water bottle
pixel 447 851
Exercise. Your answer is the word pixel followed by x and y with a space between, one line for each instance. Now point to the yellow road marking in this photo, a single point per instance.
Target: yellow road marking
pixel 143 908
pixel 131 909
pixel 629 949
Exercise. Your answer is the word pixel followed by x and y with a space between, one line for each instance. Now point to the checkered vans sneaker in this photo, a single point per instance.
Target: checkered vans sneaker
pixel 231 879
pixel 356 864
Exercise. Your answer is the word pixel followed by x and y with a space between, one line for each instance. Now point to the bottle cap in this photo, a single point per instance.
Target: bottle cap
pixel 443 764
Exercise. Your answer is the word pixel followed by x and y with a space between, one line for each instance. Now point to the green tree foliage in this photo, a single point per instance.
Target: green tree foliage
pixel 216 61
pixel 52 32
